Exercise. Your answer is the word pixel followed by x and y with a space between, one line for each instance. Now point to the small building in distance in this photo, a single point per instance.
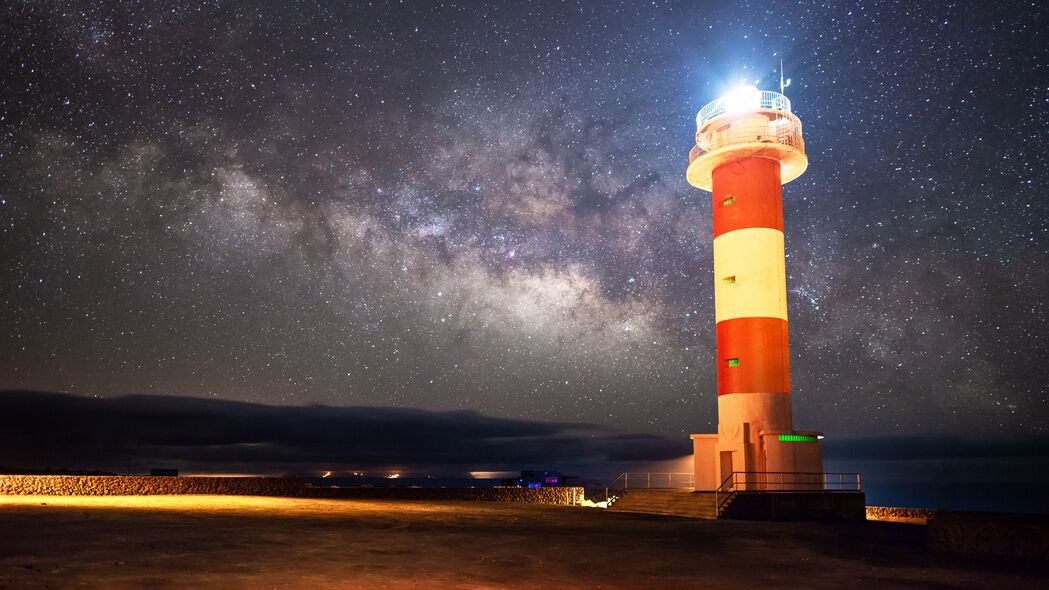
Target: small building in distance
pixel 532 478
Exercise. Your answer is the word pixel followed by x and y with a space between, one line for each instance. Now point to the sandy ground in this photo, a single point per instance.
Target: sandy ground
pixel 249 542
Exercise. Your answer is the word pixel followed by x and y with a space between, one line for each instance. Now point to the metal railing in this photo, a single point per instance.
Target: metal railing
pixel 783 481
pixel 765 99
pixel 649 481
pixel 784 131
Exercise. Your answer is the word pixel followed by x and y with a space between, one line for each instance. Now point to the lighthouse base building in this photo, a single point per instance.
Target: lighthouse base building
pixel 741 457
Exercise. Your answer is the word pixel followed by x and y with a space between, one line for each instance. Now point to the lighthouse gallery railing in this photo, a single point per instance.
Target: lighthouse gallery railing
pixel 768 100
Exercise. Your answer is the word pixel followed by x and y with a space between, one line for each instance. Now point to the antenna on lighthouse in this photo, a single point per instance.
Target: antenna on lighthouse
pixel 782 84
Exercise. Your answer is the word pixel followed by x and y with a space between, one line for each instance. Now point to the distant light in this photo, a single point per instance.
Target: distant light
pixel 492 474
pixel 741 99
pixel 393 476
pixel 326 474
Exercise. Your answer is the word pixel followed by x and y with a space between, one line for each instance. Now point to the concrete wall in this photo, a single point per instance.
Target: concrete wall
pixel 101 485
pixel 792 457
pixel 704 461
pixel 797 506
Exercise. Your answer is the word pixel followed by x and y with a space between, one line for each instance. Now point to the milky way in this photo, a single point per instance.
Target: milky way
pixel 468 206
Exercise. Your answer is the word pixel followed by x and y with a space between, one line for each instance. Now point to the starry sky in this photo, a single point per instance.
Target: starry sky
pixel 482 206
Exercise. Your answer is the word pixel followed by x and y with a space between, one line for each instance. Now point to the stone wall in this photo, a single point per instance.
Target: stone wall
pixel 561 496
pixel 140 485
pixel 796 506
pixel 896 514
pixel 133 485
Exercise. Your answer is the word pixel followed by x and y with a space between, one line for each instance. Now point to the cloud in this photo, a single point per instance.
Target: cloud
pixel 55 430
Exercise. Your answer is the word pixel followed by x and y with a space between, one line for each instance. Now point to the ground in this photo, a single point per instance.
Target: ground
pixel 250 542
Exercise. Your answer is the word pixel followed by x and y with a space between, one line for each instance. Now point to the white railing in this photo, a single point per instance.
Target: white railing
pixel 767 100
pixel 786 130
pixel 648 481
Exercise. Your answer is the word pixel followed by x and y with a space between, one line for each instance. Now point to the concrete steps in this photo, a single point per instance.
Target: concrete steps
pixel 667 502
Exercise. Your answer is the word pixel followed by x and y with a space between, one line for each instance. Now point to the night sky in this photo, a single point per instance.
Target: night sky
pixel 482 206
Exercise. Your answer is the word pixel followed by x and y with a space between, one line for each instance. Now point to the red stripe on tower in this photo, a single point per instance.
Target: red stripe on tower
pixel 753 356
pixel 747 193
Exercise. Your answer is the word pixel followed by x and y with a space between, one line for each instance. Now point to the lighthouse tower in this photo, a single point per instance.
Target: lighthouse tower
pixel 748 144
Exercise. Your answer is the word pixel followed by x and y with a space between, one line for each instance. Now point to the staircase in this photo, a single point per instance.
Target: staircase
pixel 673 502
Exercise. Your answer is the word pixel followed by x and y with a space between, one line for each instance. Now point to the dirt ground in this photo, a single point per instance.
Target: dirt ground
pixel 249 542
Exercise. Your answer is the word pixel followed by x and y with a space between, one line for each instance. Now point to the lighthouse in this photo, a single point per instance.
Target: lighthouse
pixel 748 145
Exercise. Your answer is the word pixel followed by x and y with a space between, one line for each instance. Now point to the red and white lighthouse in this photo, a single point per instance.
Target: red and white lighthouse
pixel 748 144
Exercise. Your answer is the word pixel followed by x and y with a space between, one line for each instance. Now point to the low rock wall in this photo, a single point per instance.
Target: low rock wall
pixel 561 496
pixel 893 513
pixel 137 485
pixel 142 485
